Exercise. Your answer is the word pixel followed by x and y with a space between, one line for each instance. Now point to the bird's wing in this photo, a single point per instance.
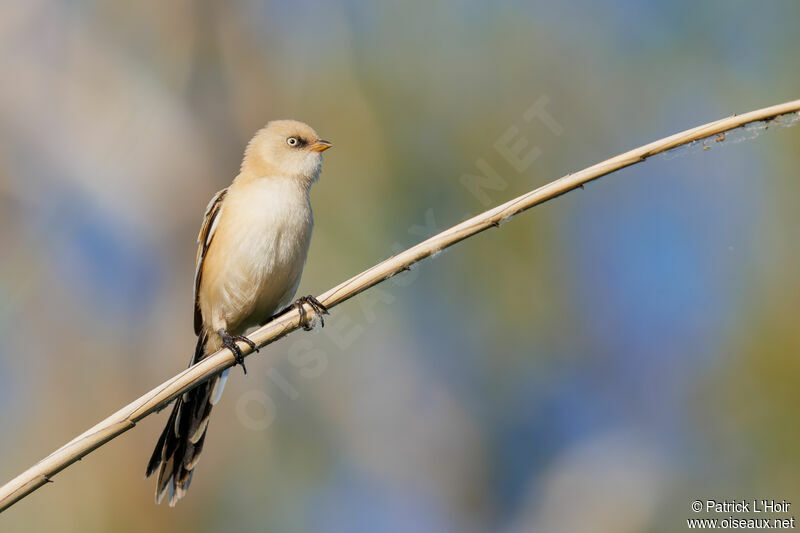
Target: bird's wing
pixel 203 242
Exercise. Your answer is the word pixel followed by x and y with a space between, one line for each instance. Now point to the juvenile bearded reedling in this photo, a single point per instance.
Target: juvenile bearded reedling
pixel 251 251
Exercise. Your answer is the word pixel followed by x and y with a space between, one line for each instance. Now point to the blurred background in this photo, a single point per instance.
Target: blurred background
pixel 595 365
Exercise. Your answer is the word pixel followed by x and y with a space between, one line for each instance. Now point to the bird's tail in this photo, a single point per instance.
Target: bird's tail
pixel 179 446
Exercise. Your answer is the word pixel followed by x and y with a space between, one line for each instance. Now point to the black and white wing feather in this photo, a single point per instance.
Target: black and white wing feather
pixel 204 239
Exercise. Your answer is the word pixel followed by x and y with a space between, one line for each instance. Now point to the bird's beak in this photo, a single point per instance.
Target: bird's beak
pixel 320 146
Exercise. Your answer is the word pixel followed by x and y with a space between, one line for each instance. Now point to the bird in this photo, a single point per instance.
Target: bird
pixel 251 251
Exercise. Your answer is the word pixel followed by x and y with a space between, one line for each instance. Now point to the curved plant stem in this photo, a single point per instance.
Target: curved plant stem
pixel 126 418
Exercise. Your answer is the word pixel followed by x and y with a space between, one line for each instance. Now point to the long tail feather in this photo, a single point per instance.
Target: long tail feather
pixel 178 448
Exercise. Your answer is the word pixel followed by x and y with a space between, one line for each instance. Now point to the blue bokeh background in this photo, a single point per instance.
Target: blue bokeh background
pixel 596 364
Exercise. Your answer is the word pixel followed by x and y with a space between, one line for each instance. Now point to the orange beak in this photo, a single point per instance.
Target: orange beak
pixel 320 146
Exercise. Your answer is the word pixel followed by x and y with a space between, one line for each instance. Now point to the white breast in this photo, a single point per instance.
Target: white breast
pixel 267 230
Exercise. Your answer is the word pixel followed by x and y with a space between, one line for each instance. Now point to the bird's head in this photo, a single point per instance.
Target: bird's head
pixel 285 147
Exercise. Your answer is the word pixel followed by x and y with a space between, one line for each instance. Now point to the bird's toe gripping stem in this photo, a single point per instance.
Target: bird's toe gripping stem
pixel 316 305
pixel 229 341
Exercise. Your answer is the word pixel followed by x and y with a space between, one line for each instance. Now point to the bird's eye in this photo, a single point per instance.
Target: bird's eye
pixel 292 141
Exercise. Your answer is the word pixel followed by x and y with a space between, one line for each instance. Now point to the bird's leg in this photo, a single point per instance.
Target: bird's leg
pixel 229 341
pixel 316 305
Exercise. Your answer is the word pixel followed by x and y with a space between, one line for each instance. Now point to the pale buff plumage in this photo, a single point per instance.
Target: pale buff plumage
pixel 251 251
pixel 260 237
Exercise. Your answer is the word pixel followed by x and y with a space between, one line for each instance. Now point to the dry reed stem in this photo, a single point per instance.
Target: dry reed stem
pixel 126 418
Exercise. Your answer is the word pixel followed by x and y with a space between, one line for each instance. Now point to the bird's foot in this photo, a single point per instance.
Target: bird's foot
pixel 229 341
pixel 316 305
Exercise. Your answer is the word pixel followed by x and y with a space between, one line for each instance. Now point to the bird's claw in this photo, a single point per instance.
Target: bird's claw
pixel 229 341
pixel 316 305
